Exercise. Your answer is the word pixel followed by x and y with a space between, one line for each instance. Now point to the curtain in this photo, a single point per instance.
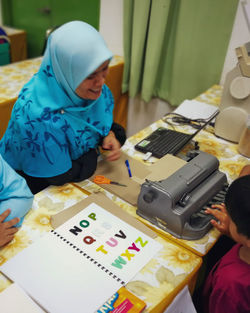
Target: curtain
pixel 175 49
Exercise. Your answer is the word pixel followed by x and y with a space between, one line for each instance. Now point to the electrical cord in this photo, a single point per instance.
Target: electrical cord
pixel 174 118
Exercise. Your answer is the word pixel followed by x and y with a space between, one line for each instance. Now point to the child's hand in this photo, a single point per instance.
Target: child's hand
pixel 220 213
pixel 7 231
pixel 112 144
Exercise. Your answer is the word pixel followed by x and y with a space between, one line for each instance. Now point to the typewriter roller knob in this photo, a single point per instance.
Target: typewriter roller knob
pixel 149 196
pixel 191 154
pixel 184 199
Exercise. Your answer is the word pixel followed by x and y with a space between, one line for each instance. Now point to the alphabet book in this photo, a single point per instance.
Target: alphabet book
pixel 82 263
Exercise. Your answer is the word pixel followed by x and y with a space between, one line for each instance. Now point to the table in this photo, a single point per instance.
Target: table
pixel 157 283
pixel 12 79
pixel 160 281
pixel 231 164
pixel 179 262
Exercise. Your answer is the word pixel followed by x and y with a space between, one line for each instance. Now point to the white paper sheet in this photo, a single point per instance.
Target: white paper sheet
pixel 14 300
pixel 194 109
pixel 182 303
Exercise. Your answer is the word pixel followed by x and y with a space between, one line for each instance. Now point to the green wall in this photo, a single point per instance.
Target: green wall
pixel 37 16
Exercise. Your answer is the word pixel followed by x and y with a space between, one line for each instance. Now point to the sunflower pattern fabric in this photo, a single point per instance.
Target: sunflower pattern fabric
pixel 176 265
pixel 158 282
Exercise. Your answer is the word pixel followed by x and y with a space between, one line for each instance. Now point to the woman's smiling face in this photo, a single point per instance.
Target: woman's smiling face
pixel 91 87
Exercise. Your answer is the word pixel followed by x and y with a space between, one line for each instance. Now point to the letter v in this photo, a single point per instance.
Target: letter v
pixel 121 235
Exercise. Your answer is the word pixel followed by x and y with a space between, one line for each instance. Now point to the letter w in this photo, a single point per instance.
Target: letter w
pixel 118 262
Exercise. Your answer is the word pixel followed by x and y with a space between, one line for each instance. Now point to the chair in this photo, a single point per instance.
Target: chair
pixel 4 48
pixel 114 82
pixel 48 32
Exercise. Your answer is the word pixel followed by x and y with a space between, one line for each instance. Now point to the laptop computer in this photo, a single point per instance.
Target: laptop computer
pixel 164 141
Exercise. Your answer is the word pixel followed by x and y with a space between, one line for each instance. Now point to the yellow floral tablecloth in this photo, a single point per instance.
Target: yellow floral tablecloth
pixel 231 163
pixel 175 266
pixel 15 75
pixel 157 283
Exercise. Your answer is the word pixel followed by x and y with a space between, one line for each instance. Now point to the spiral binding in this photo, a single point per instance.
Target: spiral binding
pixel 84 254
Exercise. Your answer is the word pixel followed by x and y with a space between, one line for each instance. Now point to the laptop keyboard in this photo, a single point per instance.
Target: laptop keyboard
pixel 163 141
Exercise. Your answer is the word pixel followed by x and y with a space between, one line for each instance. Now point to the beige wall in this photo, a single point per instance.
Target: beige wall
pixel 111 24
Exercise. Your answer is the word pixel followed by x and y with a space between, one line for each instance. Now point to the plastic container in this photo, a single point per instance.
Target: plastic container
pixel 4 48
pixel 244 143
pixel 4 53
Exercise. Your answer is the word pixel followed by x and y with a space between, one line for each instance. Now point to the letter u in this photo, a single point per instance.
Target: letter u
pixel 113 243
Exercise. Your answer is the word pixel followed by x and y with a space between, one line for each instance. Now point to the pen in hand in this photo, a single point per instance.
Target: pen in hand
pixel 128 167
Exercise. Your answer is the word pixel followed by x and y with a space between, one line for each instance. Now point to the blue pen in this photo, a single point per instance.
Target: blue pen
pixel 128 167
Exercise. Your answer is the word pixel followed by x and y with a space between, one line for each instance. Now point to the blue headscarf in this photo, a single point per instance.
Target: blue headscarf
pixel 50 124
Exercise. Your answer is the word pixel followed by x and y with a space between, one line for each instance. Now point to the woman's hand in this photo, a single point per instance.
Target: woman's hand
pixel 112 144
pixel 220 213
pixel 7 231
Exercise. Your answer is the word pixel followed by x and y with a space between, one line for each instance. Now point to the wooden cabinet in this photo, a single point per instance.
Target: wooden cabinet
pixel 18 43
pixel 37 16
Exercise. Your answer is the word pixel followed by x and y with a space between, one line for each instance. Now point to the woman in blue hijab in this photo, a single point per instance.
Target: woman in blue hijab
pixel 64 112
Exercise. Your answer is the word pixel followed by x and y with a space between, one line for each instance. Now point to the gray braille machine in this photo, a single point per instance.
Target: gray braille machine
pixel 177 203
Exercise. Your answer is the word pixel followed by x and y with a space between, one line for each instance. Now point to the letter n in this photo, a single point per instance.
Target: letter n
pixel 75 230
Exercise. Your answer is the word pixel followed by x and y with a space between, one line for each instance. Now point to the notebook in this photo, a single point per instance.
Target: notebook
pixel 164 141
pixel 83 262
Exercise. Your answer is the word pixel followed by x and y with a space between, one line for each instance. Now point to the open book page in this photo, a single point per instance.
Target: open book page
pixel 115 244
pixel 103 201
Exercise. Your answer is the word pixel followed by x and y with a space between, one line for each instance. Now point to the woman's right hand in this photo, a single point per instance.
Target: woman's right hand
pixel 7 229
pixel 220 213
pixel 112 144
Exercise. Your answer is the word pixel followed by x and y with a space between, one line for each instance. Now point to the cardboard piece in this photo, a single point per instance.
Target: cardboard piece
pixel 117 171
pixel 165 167
pixel 100 199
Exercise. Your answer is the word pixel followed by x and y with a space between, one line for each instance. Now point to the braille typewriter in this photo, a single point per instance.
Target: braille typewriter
pixel 177 204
